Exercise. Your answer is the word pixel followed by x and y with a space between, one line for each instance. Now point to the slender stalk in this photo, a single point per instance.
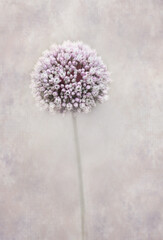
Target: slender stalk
pixel 80 176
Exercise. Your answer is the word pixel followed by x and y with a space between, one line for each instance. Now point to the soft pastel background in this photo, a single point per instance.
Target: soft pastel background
pixel 121 141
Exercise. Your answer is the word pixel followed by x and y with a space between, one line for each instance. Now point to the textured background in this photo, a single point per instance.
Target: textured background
pixel 121 141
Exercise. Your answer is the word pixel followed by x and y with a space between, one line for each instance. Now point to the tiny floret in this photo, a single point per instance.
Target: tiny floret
pixel 70 77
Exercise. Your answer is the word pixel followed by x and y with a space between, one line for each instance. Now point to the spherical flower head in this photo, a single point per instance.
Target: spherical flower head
pixel 70 77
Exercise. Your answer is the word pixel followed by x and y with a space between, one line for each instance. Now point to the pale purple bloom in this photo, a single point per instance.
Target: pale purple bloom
pixel 70 77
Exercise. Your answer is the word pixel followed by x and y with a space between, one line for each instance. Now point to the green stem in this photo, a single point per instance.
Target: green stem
pixel 80 176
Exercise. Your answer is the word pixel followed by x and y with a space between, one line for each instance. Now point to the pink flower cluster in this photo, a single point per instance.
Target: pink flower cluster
pixel 70 77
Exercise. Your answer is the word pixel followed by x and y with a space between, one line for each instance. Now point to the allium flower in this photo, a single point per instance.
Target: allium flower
pixel 70 77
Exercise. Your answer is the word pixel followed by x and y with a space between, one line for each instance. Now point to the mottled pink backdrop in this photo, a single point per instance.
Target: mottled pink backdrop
pixel 121 141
